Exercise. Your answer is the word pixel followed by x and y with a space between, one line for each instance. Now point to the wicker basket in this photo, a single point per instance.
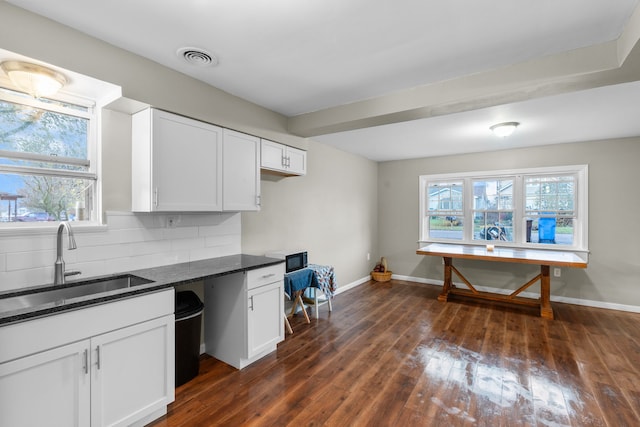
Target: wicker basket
pixel 381 277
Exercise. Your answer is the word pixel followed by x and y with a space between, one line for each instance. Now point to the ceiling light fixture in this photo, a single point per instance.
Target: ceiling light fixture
pixel 505 129
pixel 36 80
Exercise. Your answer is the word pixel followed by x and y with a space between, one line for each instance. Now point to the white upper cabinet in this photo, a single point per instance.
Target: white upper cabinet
pixel 282 159
pixel 176 163
pixel 241 172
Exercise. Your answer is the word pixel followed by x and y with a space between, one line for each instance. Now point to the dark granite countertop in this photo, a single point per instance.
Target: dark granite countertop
pixel 162 277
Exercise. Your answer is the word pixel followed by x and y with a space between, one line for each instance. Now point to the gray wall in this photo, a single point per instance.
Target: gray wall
pixel 613 274
pixel 331 212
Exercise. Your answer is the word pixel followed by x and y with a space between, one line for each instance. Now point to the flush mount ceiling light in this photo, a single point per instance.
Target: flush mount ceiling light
pixel 198 57
pixel 505 129
pixel 36 80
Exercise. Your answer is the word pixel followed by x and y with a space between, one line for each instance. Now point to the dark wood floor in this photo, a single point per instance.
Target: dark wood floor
pixel 390 354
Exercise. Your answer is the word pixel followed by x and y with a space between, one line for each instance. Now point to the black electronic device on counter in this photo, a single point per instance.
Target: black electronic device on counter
pixel 294 260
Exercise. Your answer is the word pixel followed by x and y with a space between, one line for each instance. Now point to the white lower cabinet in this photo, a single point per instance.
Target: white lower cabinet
pixel 51 388
pixel 265 324
pixel 129 373
pixel 243 315
pixel 118 378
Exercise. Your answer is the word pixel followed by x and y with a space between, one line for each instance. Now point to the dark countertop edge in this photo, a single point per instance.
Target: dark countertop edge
pixel 162 277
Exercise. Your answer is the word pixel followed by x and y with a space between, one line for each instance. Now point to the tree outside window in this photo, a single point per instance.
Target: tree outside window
pixel 45 171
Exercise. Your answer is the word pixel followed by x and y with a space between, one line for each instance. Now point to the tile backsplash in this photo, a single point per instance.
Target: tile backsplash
pixel 128 242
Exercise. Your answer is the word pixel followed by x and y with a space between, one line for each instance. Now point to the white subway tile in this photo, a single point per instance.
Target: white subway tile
pixel 187 244
pixel 180 233
pixel 147 248
pixel 129 242
pixel 28 260
pixel 27 243
pixel 222 240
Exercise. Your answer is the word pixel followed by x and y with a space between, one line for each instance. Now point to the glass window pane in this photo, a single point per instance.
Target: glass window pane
pixel 26 198
pixel 445 197
pixel 548 230
pixel 551 193
pixel 493 194
pixel 26 129
pixel 493 226
pixel 446 227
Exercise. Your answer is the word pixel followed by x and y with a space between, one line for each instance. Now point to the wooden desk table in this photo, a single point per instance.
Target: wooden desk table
pixel 545 259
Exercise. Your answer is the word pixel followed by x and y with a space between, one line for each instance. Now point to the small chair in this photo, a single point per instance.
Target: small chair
pixel 295 284
pixel 324 279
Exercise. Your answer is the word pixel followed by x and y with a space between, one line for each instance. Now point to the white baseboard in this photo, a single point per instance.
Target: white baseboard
pixel 567 300
pixel 352 285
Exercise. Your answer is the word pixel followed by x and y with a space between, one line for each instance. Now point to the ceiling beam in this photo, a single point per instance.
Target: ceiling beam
pixel 606 64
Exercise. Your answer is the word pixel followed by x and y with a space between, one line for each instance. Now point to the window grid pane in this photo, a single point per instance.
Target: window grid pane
pixel 550 209
pixel 493 209
pixel 445 216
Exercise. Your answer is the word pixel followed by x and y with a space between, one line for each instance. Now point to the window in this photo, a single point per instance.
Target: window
pixel 541 208
pixel 47 160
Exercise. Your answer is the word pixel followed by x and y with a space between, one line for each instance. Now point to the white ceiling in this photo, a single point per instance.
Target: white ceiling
pixel 297 57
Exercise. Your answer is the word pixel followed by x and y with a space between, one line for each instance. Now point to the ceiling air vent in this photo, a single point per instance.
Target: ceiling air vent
pixel 198 57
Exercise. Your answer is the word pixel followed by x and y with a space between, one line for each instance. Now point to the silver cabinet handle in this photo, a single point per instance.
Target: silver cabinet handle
pixel 85 361
pixel 155 197
pixel 251 304
pixel 98 356
pixel 266 276
pixel 258 201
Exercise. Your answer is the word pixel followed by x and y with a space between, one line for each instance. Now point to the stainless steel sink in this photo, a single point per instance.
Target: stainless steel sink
pixel 59 295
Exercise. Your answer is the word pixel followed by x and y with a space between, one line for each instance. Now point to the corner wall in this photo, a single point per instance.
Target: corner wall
pixel 614 263
pixel 331 212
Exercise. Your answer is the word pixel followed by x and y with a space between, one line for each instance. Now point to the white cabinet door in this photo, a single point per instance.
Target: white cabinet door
pixel 51 388
pixel 177 163
pixel 296 161
pixel 132 372
pixel 241 172
pixel 265 324
pixel 273 155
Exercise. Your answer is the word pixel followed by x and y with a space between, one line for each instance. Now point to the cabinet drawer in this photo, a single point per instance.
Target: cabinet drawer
pixel 264 276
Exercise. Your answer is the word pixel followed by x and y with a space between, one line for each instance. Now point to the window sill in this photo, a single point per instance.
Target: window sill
pixel 583 253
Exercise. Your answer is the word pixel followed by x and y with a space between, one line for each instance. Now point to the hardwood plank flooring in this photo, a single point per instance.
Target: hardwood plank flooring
pixel 390 354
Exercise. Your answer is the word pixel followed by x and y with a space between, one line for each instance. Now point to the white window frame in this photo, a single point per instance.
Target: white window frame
pixel 93 155
pixel 581 229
